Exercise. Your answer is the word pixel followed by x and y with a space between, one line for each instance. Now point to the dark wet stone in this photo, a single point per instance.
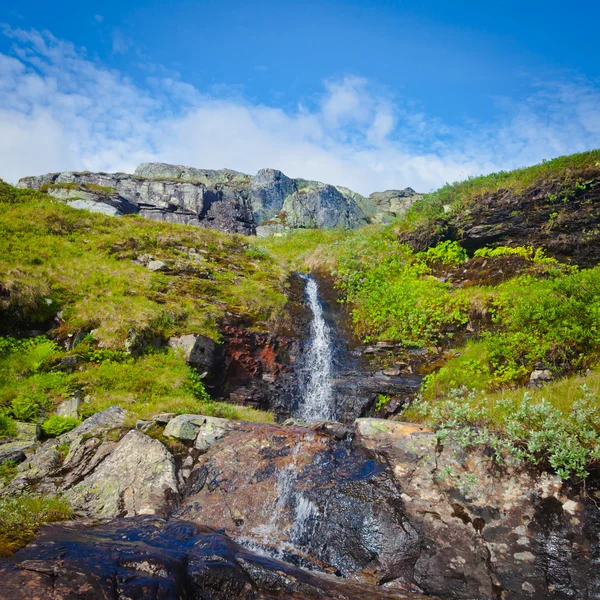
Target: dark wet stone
pixel 150 559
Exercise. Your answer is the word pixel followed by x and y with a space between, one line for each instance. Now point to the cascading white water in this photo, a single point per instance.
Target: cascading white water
pixel 315 402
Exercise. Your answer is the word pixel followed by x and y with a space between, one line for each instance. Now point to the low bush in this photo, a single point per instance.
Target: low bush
pixel 56 425
pixel 446 253
pixel 21 517
pixel 530 431
pixel 8 427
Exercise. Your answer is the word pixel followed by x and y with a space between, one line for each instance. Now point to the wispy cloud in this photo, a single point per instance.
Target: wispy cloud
pixel 60 110
pixel 121 44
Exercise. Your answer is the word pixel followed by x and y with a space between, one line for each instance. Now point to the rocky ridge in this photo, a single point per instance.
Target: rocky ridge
pixel 267 203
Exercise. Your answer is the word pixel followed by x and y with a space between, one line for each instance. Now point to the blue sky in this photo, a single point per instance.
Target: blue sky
pixel 371 95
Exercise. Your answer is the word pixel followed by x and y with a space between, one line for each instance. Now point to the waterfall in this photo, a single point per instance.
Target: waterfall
pixel 315 403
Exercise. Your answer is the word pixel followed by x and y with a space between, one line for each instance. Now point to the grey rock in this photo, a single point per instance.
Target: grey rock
pixel 394 203
pixel 539 377
pixel 137 478
pixel 68 364
pixel 295 422
pixel 162 418
pixel 224 199
pixel 69 408
pixel 95 206
pixel 203 431
pixel 26 432
pixel 391 372
pixel 14 451
pixel 156 265
pixel 40 468
pixel 107 419
pixel 184 427
pixel 224 205
pixel 207 177
pixel 269 188
pixel 199 351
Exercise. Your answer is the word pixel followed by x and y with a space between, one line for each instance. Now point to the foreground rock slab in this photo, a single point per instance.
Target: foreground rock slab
pixel 488 531
pixel 152 559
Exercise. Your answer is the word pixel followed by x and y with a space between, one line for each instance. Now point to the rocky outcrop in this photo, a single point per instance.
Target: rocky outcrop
pixel 305 497
pixel 15 448
pixel 149 559
pixel 219 206
pixel 381 502
pixel 134 477
pixel 487 531
pixel 200 352
pixel 202 431
pixel 394 203
pixel 560 216
pixel 225 199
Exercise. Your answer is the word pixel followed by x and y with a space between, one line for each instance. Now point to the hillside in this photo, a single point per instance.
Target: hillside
pixel 471 323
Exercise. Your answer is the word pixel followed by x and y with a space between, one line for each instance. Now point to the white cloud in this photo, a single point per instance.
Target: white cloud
pixel 59 110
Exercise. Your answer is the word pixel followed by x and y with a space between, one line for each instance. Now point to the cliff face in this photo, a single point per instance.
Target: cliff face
pixel 224 206
pixel 226 200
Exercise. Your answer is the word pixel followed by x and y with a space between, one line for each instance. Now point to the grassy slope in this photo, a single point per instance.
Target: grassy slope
pixel 549 313
pixel 54 258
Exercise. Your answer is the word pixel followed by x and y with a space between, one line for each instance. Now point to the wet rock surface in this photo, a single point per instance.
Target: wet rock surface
pixel 304 492
pixel 487 532
pixel 150 559
pixel 380 502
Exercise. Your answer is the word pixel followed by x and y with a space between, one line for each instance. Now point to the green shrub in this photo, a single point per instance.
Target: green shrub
pixel 391 293
pixel 446 253
pixel 21 517
pixel 24 409
pixel 532 432
pixel 56 425
pixel 8 427
pixel 527 252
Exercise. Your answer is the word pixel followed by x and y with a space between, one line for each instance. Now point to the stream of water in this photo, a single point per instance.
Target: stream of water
pixel 315 403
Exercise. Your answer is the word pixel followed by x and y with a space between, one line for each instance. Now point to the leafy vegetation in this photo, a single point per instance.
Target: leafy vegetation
pixel 22 516
pixel 8 427
pixel 528 430
pixel 155 382
pixel 56 425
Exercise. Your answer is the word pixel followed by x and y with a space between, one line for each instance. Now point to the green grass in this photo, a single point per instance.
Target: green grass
pixel 55 258
pixel 21 517
pixel 155 382
pixel 564 170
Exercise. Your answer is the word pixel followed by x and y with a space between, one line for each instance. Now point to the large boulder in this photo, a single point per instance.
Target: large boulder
pixel 43 470
pixel 305 496
pixel 394 203
pixel 137 478
pixel 486 531
pixel 202 431
pixel 199 351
